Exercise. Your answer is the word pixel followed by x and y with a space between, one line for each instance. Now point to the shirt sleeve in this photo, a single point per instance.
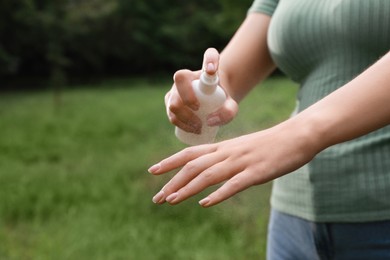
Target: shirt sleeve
pixel 263 6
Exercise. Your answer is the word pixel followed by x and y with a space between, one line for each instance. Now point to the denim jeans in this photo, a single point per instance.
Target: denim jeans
pixel 293 238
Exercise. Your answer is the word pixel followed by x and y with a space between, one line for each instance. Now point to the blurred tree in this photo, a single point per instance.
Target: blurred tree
pixel 88 45
pixel 231 15
pixel 71 37
pixel 32 36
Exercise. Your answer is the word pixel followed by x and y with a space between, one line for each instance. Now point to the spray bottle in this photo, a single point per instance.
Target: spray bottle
pixel 211 97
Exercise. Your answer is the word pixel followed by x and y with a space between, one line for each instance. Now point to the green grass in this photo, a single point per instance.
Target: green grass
pixel 74 182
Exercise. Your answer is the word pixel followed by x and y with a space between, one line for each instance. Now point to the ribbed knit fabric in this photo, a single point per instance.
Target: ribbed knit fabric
pixel 322 44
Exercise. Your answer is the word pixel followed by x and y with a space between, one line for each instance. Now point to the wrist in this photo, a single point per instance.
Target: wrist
pixel 308 132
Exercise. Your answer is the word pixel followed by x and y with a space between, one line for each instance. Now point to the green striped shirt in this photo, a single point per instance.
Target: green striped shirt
pixel 323 44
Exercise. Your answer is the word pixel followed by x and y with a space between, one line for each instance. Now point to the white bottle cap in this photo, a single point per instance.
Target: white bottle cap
pixel 209 79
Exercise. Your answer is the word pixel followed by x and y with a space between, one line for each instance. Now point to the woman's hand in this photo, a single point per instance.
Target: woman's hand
pixel 245 62
pixel 181 101
pixel 241 163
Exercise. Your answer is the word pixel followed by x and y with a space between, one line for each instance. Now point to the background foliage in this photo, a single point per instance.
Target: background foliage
pixel 63 38
pixel 73 180
pixel 74 183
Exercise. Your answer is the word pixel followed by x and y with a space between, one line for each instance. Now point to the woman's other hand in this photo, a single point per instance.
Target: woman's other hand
pixel 181 101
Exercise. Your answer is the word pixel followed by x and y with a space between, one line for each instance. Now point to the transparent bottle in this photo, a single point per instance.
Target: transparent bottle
pixel 211 97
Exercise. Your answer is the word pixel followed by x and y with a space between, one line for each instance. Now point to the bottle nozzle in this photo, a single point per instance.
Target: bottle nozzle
pixel 209 79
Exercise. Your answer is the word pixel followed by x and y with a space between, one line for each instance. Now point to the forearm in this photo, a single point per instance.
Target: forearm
pixel 246 60
pixel 359 107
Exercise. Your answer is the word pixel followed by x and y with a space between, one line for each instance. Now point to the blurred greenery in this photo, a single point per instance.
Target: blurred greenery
pixel 74 182
pixel 68 38
pixel 73 162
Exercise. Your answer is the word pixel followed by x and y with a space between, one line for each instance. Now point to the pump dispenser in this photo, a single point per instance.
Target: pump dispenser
pixel 211 97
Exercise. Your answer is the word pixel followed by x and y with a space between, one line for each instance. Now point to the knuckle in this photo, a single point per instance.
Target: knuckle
pixel 174 104
pixel 191 167
pixel 180 75
pixel 174 108
pixel 235 182
pixel 209 176
pixel 185 191
pixel 173 120
pixel 259 176
pixel 187 153
pixel 228 115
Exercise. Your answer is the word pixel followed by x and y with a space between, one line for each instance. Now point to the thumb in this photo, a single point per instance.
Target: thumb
pixel 211 61
pixel 223 115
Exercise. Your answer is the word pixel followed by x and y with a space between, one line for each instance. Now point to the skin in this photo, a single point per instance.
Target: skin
pixel 355 109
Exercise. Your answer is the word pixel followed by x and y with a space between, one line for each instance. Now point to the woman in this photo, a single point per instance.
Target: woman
pixel 330 161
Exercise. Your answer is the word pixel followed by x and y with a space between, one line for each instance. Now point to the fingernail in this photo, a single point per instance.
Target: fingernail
pixel 210 67
pixel 204 202
pixel 215 120
pixel 154 168
pixel 171 197
pixel 157 198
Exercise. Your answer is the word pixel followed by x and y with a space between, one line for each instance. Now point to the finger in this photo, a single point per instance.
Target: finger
pixel 223 115
pixel 189 172
pixel 181 158
pixel 182 116
pixel 192 126
pixel 183 83
pixel 233 186
pixel 213 175
pixel 211 61
pixel 181 178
